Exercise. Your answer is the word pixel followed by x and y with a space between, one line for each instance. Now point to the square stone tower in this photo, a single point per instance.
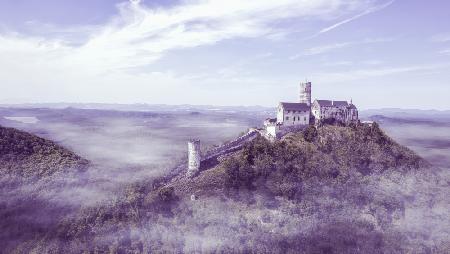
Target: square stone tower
pixel 193 157
pixel 305 93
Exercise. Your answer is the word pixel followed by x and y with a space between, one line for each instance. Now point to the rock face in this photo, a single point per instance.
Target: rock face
pixel 29 156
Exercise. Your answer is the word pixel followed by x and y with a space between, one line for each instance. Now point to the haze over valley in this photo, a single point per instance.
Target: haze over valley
pixel 225 126
pixel 131 148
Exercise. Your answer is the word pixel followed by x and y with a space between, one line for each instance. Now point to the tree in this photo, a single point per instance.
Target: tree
pixel 310 134
pixel 166 194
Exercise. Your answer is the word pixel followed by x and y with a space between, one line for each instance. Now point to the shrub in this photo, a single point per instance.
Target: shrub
pixel 310 134
pixel 238 173
pixel 166 194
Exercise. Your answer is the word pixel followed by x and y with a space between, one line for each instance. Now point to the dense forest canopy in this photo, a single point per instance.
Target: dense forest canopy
pixel 29 156
pixel 328 152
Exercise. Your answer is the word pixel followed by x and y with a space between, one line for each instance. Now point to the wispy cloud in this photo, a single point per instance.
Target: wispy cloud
pixel 331 47
pixel 360 74
pixel 364 13
pixel 94 63
pixel 372 62
pixel 441 38
pixel 445 52
pixel 339 63
pixel 139 35
pixel 326 48
pixel 349 63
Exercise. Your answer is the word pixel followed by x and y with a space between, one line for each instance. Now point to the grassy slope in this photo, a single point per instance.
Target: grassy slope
pixel 26 155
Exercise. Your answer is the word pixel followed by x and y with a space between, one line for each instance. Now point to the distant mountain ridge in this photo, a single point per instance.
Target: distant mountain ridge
pixel 137 107
pixel 431 114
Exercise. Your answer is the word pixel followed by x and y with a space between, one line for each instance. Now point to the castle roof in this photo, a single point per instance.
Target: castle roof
pixel 329 103
pixel 295 106
pixel 340 103
pixel 325 103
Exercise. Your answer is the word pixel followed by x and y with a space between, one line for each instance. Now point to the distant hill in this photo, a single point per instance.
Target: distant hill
pixel 412 114
pixel 29 156
pixel 138 107
pixel 438 122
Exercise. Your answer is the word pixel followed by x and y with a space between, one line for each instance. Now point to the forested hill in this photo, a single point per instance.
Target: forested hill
pixel 326 190
pixel 327 153
pixel 26 155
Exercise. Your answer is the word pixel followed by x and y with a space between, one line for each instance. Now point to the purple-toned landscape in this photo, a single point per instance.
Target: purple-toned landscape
pixel 213 126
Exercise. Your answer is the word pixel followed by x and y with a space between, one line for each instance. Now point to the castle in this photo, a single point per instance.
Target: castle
pixel 291 116
pixel 298 115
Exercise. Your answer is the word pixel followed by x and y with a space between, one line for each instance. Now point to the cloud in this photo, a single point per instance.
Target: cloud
pixel 445 52
pixel 339 63
pixel 139 35
pixel 80 62
pixel 350 63
pixel 441 38
pixel 366 12
pixel 359 74
pixel 321 50
pixel 331 47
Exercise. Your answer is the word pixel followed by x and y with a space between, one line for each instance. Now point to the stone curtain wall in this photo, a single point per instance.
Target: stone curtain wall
pixel 237 143
pixel 211 159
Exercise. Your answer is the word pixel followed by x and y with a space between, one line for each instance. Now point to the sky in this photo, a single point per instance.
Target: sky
pixel 378 53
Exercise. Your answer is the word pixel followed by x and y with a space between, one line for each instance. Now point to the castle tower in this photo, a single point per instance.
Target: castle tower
pixel 193 157
pixel 305 93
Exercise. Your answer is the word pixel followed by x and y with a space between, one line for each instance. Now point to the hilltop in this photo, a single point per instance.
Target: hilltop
pixel 26 155
pixel 326 152
pixel 313 191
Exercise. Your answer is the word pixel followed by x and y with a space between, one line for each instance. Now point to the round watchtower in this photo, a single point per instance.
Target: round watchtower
pixel 305 93
pixel 193 157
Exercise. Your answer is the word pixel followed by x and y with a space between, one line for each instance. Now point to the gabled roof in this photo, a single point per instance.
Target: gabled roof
pixel 295 106
pixel 351 106
pixel 325 103
pixel 340 103
pixel 329 103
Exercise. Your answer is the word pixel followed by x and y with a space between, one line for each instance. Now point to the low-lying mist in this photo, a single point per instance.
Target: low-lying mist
pixel 428 137
pixel 123 148
pixel 391 212
pixel 132 145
